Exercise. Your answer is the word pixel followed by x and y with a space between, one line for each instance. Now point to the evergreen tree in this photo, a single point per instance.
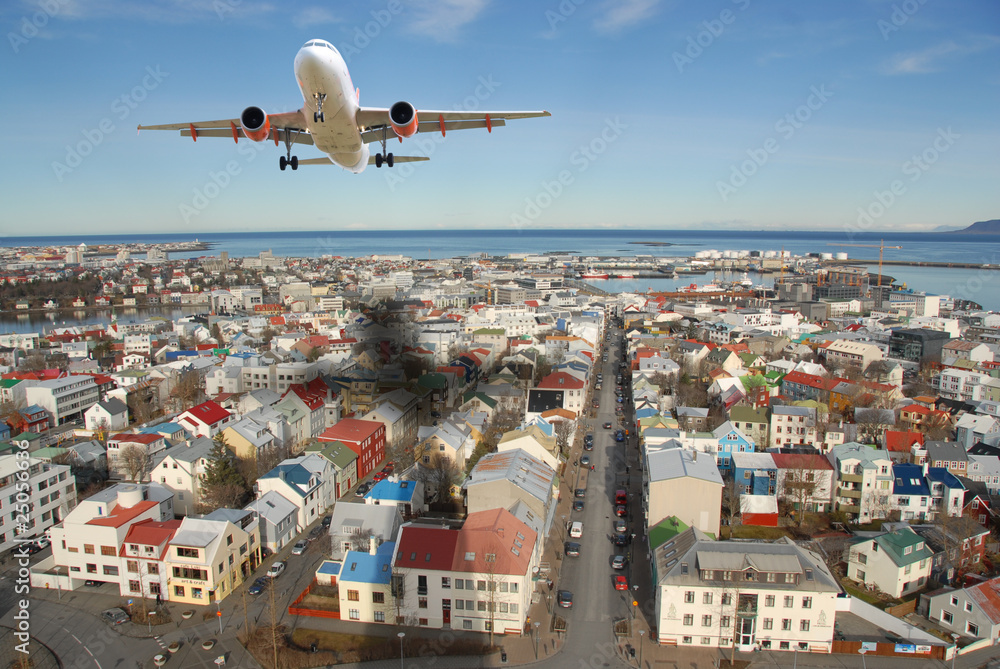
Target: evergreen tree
pixel 222 484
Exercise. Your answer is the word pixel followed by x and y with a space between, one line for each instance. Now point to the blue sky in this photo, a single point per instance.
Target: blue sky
pixel 868 114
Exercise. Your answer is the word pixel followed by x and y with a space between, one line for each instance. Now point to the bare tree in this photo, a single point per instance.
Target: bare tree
pixel 135 462
pixel 798 488
pixel 563 430
pixel 361 539
pixel 440 474
pixel 732 490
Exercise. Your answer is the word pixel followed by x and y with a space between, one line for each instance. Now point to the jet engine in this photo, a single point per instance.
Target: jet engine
pixel 255 124
pixel 403 118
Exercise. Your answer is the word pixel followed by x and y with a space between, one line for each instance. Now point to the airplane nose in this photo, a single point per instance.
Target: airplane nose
pixel 307 61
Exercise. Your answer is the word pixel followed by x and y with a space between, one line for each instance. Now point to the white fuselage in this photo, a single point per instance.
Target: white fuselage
pixel 320 69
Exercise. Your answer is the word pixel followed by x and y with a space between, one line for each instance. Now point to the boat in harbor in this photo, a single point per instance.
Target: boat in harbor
pixel 591 273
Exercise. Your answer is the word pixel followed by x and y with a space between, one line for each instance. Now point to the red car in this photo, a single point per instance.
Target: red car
pixel 378 476
pixel 621 583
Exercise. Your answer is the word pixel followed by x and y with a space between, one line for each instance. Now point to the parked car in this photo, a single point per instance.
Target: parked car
pixel 326 521
pixel 589 439
pixel 596 404
pixel 588 446
pixel 300 547
pixel 115 616
pixel 619 562
pixel 580 492
pixel 620 510
pixel 620 525
pixel 363 489
pixel 620 539
pixel 585 461
pixel 565 599
pixel 93 584
pixel 276 570
pixel 620 434
pixel 435 414
pixel 621 583
pixel 572 549
pixel 577 505
pixel 607 426
pixel 258 585
pixel 576 530
pixel 378 476
pixel 42 543
pixel 315 533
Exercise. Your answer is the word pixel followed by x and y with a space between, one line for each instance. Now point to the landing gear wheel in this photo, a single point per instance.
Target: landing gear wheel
pixel 282 163
pixel 294 162
pixel 318 114
pixel 378 160
pixel 388 159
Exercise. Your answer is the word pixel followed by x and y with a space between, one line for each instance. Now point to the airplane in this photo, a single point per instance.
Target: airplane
pixel 333 120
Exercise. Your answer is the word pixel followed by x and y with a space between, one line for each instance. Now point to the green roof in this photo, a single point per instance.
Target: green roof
pixel 489 331
pixel 49 452
pixel 745 414
pixel 895 545
pixel 9 383
pixel 667 529
pixel 337 452
pixel 434 380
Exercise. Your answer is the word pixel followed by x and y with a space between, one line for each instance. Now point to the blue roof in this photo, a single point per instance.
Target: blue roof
pixel 942 475
pixel 295 474
pixel 394 491
pixel 329 567
pixel 361 567
pixel 32 408
pixel 162 428
pixel 909 480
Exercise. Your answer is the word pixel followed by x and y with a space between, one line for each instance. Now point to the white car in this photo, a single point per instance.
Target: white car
pixel 276 570
pixel 300 547
pixel 576 530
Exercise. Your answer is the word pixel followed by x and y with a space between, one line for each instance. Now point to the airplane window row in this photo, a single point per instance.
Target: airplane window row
pixel 321 43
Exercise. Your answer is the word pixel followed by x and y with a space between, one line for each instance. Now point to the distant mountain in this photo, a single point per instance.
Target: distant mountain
pixel 946 228
pixel 982 228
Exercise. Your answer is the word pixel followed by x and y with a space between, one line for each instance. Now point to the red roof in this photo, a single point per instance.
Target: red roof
pixel 801 461
pixel 119 515
pixel 151 533
pixel 431 548
pixel 560 380
pixel 351 430
pixel 987 595
pixel 207 412
pixel 136 438
pixel 901 441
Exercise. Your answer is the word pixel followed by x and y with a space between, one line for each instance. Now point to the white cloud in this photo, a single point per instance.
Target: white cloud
pixel 313 16
pixel 443 19
pixel 620 14
pixel 935 58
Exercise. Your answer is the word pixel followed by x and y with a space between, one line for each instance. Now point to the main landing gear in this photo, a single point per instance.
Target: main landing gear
pixel 284 161
pixel 383 157
pixel 318 116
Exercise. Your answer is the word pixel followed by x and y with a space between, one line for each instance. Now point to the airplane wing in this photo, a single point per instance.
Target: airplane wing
pixel 290 124
pixel 372 121
pixel 371 161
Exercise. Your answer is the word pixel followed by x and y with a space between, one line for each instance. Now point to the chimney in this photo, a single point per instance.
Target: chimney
pixel 372 545
pixel 926 468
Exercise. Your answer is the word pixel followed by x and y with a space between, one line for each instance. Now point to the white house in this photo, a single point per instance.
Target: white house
pixel 111 414
pixel 306 482
pixel 897 563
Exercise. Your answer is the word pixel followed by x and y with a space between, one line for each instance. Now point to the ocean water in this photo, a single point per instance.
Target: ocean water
pixel 941 247
pixel 982 286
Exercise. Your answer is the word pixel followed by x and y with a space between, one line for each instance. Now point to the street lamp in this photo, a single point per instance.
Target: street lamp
pixel 401 635
pixel 536 624
pixel 642 633
pixel 864 665
pixel 954 638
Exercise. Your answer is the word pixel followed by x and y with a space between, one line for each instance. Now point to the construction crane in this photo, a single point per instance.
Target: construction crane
pixel 881 249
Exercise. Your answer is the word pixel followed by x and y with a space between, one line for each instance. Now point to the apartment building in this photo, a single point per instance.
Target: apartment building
pixel 51 495
pixel 66 398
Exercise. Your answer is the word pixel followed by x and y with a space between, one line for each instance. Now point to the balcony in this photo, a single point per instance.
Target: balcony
pixel 852 478
pixel 850 508
pixel 847 492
